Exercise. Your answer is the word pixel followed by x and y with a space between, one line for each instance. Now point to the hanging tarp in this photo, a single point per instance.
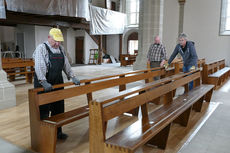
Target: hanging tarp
pixel 106 22
pixel 72 8
pixel 2 10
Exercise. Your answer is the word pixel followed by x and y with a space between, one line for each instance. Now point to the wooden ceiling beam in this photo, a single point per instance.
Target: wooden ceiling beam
pixel 42 20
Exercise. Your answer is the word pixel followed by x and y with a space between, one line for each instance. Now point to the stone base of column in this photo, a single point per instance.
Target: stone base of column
pixel 7 92
pixel 140 63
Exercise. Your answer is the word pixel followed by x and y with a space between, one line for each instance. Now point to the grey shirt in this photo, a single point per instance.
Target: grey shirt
pixel 41 59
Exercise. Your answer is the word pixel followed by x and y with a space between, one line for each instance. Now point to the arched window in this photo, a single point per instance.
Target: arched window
pixel 225 18
pixel 132 11
pixel 132 44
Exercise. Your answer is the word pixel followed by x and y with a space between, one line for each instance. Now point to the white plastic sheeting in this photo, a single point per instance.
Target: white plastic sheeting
pixel 2 10
pixel 73 8
pixel 106 22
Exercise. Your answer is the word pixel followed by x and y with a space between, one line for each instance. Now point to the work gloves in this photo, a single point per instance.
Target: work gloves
pixel 166 65
pixel 192 68
pixel 76 81
pixel 47 86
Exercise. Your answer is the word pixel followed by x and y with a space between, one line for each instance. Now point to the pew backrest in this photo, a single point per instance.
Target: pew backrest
pixel 104 109
pixel 211 68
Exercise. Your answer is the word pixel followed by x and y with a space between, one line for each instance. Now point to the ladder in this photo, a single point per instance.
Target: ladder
pixel 93 56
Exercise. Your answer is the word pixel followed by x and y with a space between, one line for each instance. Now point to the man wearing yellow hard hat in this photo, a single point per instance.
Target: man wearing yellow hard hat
pixel 50 61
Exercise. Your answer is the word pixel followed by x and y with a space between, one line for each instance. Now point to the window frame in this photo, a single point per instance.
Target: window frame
pixel 223 18
pixel 136 12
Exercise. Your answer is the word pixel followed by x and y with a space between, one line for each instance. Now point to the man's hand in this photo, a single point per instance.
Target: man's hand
pixel 192 68
pixel 76 81
pixel 162 63
pixel 166 65
pixel 47 86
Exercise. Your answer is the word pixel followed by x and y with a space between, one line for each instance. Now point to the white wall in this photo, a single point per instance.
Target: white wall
pixel 7 35
pixel 202 23
pixel 29 38
pixel 71 34
pixel 88 44
pixel 170 25
pixel 112 45
pixel 41 34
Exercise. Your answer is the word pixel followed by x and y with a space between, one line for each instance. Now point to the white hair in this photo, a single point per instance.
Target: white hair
pixel 183 35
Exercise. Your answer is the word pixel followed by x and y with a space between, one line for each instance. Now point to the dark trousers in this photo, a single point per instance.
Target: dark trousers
pixel 50 109
pixel 54 108
pixel 154 64
pixel 187 69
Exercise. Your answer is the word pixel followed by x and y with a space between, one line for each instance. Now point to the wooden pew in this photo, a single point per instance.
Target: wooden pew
pixel 216 73
pixel 127 59
pixel 7 60
pixel 15 67
pixel 43 132
pixel 201 63
pixel 172 65
pixel 152 128
pixel 176 60
pixel 179 65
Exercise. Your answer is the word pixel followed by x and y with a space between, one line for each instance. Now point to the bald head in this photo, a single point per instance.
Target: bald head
pixel 157 40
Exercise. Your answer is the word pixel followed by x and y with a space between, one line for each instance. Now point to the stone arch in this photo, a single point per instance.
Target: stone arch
pixel 126 35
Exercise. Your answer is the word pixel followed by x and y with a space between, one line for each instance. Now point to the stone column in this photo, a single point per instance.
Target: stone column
pixel 150 25
pixel 181 16
pixel 7 90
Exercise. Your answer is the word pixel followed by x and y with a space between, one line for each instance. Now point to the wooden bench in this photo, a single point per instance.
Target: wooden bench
pixel 7 60
pixel 43 132
pixel 127 59
pixel 216 73
pixel 152 128
pixel 179 65
pixel 18 67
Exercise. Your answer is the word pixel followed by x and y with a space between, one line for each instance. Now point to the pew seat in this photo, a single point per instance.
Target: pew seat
pixel 156 131
pixel 216 73
pixel 44 131
pixel 68 117
pixel 220 73
pixel 152 127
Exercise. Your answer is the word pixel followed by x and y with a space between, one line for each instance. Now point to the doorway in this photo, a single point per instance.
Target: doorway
pixel 113 6
pixel 79 50
pixel 20 44
pixel 132 43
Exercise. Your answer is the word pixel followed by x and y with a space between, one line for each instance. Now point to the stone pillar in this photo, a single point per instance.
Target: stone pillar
pixel 150 25
pixel 181 16
pixel 7 90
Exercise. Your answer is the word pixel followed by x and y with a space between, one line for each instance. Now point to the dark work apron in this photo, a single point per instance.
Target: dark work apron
pixel 53 76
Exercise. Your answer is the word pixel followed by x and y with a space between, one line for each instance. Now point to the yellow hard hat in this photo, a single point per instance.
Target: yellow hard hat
pixel 56 34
